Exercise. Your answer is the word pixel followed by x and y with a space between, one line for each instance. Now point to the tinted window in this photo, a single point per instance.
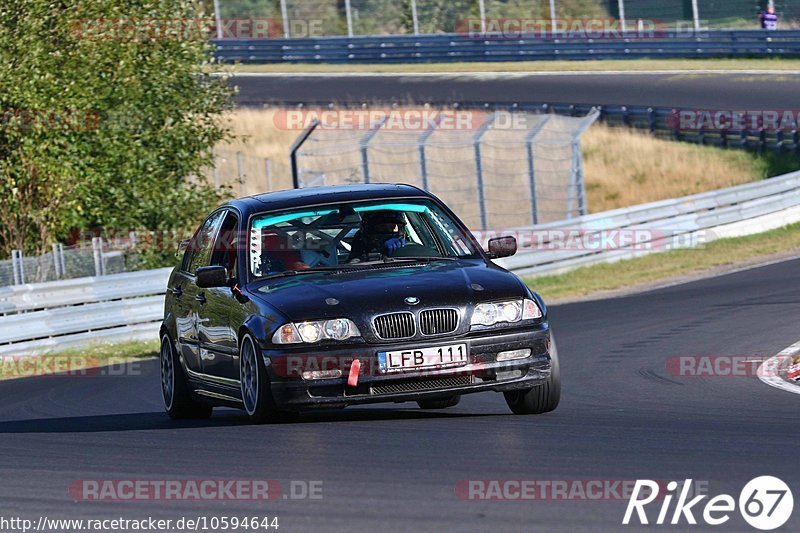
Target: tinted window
pixel 199 249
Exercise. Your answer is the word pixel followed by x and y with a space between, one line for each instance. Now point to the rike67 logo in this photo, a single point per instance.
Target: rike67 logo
pixel 765 503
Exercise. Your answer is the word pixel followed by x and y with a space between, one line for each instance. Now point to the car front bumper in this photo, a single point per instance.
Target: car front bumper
pixel 481 373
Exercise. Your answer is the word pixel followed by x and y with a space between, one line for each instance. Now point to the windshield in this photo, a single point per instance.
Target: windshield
pixel 349 234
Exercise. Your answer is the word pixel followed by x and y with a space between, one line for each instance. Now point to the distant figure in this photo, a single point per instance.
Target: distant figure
pixel 768 18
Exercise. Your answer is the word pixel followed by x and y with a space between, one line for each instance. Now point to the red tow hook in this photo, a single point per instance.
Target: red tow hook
pixel 355 369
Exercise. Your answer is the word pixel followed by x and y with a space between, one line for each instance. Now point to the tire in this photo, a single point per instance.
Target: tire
pixel 256 394
pixel 542 398
pixel 440 403
pixel 178 401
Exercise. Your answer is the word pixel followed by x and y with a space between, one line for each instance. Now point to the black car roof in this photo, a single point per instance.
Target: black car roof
pixel 292 198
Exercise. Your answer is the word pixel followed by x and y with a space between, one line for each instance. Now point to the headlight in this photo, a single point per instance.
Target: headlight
pixel 337 329
pixel 489 314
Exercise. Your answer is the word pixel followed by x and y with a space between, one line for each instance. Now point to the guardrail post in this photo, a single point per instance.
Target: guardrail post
pixel 17 267
pixel 476 143
pixel 423 139
pixel 364 144
pixel 97 253
pixel 529 140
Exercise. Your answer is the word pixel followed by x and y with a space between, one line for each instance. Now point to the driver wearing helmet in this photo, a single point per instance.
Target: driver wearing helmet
pixel 382 232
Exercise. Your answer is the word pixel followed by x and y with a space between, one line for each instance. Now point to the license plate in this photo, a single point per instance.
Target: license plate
pixel 423 358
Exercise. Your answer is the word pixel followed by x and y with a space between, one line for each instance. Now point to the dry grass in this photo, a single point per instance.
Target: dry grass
pixel 626 167
pixel 623 167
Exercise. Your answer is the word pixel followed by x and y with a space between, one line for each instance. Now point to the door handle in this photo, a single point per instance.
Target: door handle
pixel 177 292
pixel 201 298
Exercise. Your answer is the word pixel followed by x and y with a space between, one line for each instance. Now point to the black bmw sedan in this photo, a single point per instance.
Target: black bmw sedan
pixel 334 296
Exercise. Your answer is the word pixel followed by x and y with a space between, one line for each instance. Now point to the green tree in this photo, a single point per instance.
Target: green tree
pixel 107 107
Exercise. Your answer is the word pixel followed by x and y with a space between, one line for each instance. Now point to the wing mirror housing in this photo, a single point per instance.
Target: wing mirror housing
pixel 211 276
pixel 502 247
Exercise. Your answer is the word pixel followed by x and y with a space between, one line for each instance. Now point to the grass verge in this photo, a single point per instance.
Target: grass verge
pixel 632 65
pixel 76 361
pixel 664 266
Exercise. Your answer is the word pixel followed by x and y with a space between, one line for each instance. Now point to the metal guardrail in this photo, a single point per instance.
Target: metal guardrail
pixel 457 47
pixel 122 307
pixel 60 314
pixel 659 226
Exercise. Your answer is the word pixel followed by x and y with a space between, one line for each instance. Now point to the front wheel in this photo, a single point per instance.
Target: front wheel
pixel 178 400
pixel 542 398
pixel 256 394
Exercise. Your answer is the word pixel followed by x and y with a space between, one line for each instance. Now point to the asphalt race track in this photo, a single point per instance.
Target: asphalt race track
pixel 726 91
pixel 395 468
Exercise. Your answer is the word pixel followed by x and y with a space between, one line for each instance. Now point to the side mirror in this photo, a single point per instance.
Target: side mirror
pixel 212 276
pixel 502 247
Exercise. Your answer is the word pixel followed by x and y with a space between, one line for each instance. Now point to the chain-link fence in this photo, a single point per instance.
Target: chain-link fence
pixel 63 262
pixel 244 174
pixel 327 18
pixel 494 169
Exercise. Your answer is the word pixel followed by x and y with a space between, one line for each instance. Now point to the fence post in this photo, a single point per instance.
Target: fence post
pixel 348 13
pixel 476 143
pixel 61 260
pixel 17 267
pixel 216 170
pixel 285 17
pixel 364 143
pixel 218 19
pixel 414 17
pixel 482 14
pixel 529 140
pixel 423 139
pixel 56 262
pixel 696 17
pixel 240 171
pixel 268 168
pixel 295 147
pixel 621 4
pixel 97 253
pixel 552 16
pixel 577 187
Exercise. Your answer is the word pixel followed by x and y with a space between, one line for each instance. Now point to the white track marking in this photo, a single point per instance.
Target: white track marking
pixel 769 370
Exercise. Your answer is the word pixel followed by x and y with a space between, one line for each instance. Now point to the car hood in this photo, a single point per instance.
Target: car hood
pixel 366 293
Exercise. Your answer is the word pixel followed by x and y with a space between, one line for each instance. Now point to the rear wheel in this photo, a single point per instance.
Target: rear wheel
pixel 178 400
pixel 542 398
pixel 440 403
pixel 256 394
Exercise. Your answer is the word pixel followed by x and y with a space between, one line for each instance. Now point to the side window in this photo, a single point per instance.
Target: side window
pixel 197 254
pixel 227 245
